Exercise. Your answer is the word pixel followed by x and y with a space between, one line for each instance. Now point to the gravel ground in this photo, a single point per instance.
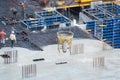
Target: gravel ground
pixel 36 40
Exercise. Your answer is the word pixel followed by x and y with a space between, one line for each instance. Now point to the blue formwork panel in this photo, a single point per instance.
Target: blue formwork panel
pixel 108 21
pixel 111 31
pixel 52 20
pixel 109 25
pixel 31 24
pixel 115 21
pixel 117 34
pixel 90 25
pixel 110 8
pixel 116 46
pixel 108 31
pixel 109 39
pixel 107 6
pixel 116 38
pixel 108 34
pixel 100 15
pixel 102 32
pixel 92 10
pixel 116 9
pixel 47 18
pixel 116 28
pixel 116 42
pixel 47 13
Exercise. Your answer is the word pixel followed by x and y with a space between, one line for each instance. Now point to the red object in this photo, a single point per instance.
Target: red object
pixel 45 1
pixel 2 34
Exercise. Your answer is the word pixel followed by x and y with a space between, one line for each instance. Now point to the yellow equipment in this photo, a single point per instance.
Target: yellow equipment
pixel 103 40
pixel 102 25
pixel 60 2
pixel 88 30
pixel 64 40
pixel 83 1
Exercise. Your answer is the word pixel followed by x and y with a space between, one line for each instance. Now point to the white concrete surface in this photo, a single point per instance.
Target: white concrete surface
pixel 78 67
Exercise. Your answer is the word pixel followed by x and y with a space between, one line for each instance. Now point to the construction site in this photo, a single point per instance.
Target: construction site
pixel 59 39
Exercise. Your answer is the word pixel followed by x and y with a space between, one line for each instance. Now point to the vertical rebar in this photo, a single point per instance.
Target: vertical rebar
pixel 98 62
pixel 28 70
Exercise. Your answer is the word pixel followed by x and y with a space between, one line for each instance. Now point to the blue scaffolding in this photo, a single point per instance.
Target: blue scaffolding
pixel 111 8
pixel 97 14
pixel 50 19
pixel 91 26
pixel 106 23
pixel 116 35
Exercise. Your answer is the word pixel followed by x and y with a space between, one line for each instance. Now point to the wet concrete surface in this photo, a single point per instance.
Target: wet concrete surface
pixel 77 66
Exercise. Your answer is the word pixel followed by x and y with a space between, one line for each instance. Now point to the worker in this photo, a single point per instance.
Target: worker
pixel 15 32
pixel 23 8
pixel 2 37
pixel 12 38
pixel 14 11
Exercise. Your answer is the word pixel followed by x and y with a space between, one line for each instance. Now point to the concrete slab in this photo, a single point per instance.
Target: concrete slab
pixel 79 66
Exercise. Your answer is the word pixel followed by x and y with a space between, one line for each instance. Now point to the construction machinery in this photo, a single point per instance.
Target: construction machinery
pixel 64 39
